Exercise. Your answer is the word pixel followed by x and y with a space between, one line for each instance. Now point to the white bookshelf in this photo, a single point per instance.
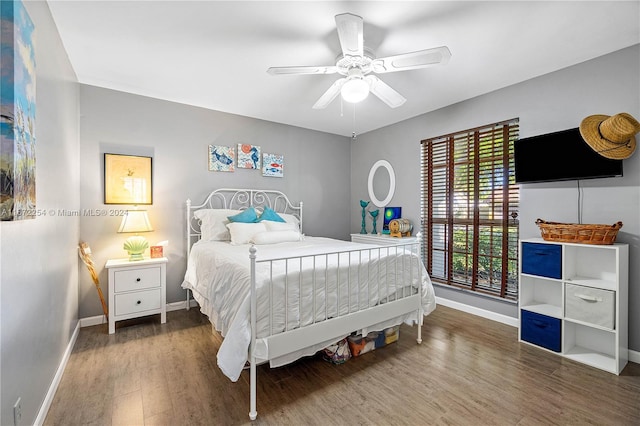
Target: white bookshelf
pixel 589 299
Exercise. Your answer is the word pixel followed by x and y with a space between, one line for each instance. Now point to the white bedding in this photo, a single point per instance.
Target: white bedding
pixel 218 275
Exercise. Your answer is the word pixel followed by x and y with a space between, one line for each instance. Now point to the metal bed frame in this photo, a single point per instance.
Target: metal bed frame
pixel 289 341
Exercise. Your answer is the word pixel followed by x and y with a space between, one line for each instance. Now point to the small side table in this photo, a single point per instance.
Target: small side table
pixel 137 289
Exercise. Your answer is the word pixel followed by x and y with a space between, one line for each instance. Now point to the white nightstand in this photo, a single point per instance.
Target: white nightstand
pixel 382 240
pixel 137 289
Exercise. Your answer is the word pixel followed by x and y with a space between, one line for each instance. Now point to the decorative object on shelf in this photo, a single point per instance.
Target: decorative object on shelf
pixel 156 252
pixel 84 251
pixel 374 216
pixel 221 158
pixel 135 221
pixel 400 228
pixel 272 165
pixel 17 113
pixel 127 179
pixel 390 213
pixel 248 156
pixel 579 233
pixel 364 205
pixel 611 136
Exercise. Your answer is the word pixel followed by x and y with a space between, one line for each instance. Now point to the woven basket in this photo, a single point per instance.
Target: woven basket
pixel 578 233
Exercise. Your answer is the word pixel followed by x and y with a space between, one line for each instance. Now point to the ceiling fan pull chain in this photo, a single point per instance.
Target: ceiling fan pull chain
pixel 353 134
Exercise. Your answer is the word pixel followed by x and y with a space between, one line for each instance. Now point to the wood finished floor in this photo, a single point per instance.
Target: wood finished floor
pixel 467 371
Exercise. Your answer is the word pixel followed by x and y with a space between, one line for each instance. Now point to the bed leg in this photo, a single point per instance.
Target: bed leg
pixel 188 301
pixel 420 316
pixel 252 372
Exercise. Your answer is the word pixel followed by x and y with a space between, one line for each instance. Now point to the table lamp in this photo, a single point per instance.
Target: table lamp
pixel 136 221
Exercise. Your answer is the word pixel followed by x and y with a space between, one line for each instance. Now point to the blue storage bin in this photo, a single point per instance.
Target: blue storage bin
pixel 540 330
pixel 544 260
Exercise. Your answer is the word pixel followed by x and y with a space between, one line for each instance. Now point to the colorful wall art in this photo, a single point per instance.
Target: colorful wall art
pixel 17 113
pixel 221 158
pixel 272 165
pixel 248 156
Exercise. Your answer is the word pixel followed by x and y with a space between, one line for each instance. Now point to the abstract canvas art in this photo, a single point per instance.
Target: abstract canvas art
pixel 248 156
pixel 272 165
pixel 17 113
pixel 221 158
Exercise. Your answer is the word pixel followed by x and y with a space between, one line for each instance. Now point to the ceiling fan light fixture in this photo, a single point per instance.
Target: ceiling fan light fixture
pixel 355 90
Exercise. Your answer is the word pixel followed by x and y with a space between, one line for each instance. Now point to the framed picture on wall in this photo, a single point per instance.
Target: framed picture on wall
pixel 127 179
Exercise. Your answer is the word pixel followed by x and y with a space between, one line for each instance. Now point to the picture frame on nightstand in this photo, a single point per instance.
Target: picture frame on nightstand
pixel 390 213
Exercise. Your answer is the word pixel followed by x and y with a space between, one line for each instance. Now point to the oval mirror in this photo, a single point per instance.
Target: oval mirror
pixel 379 168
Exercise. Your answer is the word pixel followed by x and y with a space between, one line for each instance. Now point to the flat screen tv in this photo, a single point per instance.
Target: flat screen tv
pixel 560 156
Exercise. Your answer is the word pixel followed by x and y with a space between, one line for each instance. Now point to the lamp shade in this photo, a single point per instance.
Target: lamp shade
pixel 135 221
pixel 355 90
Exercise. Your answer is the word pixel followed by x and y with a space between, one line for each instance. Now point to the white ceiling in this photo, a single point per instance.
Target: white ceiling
pixel 215 54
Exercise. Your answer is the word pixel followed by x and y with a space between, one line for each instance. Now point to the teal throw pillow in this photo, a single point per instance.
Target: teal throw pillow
pixel 270 214
pixel 246 216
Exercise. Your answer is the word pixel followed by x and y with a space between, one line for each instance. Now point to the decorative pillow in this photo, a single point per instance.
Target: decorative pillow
pixel 242 233
pixel 280 226
pixel 289 218
pixel 270 214
pixel 213 223
pixel 246 216
pixel 274 237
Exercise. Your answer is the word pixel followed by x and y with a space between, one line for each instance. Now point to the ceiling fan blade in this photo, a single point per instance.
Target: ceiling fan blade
pixel 383 91
pixel 332 69
pixel 411 61
pixel 350 33
pixel 330 94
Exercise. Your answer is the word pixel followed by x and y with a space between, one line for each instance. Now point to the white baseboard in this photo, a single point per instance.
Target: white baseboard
pixel 46 404
pixel 101 319
pixel 504 319
pixel 89 321
pixel 176 306
pixel 634 356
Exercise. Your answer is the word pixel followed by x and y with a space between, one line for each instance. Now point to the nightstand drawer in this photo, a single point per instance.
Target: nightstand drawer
pixel 590 305
pixel 137 279
pixel 138 301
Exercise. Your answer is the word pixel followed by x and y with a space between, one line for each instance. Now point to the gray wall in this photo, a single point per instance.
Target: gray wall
pixel 39 275
pixel 316 171
pixel 557 101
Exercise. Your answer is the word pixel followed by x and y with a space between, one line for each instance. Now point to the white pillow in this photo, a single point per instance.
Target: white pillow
pixel 242 233
pixel 289 218
pixel 213 223
pixel 273 237
pixel 279 226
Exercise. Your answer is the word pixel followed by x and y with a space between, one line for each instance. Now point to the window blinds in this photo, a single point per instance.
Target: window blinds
pixel 469 208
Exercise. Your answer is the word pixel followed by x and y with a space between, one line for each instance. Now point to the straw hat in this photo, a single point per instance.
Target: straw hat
pixel 611 136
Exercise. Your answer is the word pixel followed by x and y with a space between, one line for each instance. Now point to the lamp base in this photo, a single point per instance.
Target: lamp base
pixel 136 246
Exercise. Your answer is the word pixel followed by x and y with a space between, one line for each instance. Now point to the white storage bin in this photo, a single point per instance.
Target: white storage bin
pixel 590 305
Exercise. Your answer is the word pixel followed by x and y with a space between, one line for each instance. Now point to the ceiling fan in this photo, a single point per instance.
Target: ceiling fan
pixel 357 62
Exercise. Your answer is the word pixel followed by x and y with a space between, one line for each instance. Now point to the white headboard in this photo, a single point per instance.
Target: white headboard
pixel 239 199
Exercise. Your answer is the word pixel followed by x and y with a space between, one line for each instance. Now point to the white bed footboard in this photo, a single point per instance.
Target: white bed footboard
pixel 318 299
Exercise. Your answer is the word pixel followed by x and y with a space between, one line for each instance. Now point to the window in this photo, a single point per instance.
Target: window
pixel 470 209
